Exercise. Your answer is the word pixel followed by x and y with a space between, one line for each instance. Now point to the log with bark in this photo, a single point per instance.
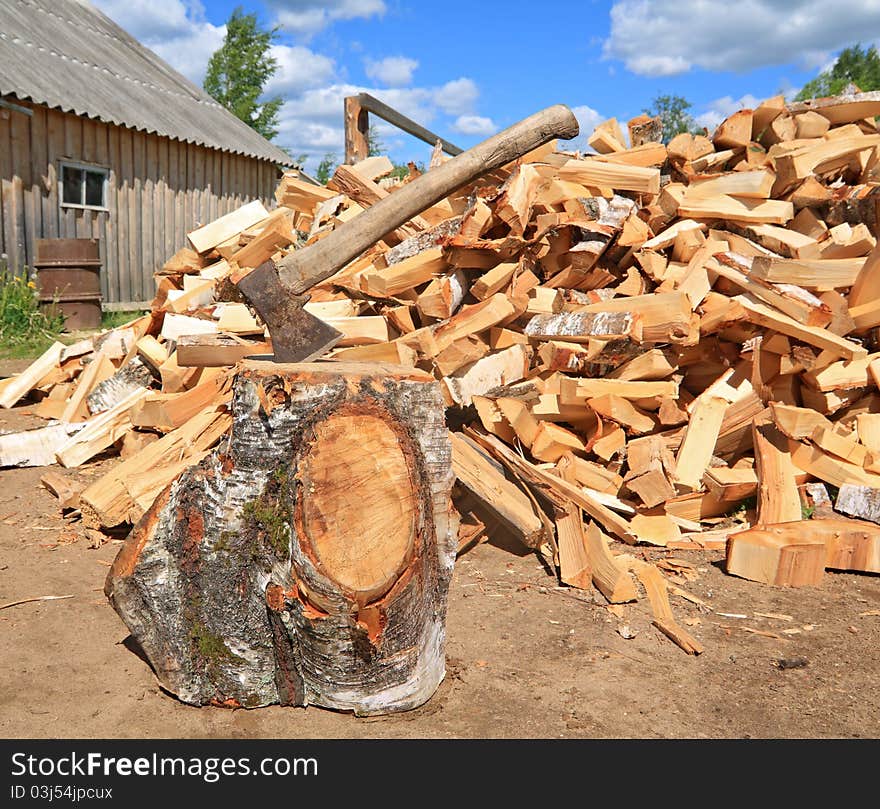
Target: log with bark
pixel 307 561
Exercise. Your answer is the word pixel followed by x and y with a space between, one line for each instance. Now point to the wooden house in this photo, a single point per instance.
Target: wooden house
pixel 100 138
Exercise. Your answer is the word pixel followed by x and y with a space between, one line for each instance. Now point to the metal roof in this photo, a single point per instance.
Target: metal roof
pixel 68 55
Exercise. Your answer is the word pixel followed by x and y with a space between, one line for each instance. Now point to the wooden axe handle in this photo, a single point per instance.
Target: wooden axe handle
pixel 302 269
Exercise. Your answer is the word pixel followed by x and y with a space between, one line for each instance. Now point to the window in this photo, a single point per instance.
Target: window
pixel 83 186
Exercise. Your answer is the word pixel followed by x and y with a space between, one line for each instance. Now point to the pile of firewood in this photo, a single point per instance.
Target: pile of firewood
pixel 672 342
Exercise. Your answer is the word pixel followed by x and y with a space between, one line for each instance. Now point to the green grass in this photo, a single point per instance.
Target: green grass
pixel 25 328
pixel 110 320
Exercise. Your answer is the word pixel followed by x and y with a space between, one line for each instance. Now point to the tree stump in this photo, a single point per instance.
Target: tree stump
pixel 307 561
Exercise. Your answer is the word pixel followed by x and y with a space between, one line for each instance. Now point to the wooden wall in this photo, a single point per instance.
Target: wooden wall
pixel 159 189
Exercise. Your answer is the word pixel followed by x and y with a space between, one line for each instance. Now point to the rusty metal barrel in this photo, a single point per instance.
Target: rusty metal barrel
pixel 69 280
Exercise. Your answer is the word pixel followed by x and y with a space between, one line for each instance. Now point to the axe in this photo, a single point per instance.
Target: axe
pixel 278 292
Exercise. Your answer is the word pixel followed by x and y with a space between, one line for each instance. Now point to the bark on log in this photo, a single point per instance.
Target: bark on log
pixel 307 562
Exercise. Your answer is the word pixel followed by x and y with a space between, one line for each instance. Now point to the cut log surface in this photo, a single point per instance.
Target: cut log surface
pixel 309 561
pixel 791 557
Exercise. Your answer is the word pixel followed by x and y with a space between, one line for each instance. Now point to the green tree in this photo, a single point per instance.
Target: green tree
pixel 375 146
pixel 326 167
pixel 239 70
pixel 854 65
pixel 673 112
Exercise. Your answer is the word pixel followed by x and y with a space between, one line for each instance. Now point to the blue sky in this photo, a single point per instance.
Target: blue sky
pixel 468 69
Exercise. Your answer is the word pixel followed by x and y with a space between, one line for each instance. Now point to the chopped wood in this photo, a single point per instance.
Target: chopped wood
pixel 130 378
pixel 778 499
pixel 737 209
pixel 842 109
pixel 491 371
pixel 859 501
pixel 100 432
pixel 829 468
pixel 200 350
pixel 35 447
pixel 745 184
pixel 505 500
pixel 782 555
pixel 797 422
pixel 234 318
pixel 763 315
pixel 63 487
pixel 649 462
pixel 209 236
pixel 97 371
pixel 168 411
pixel 603 341
pixel 596 173
pixel 580 327
pixel 735 131
pixel 609 574
pixel 175 326
pixel 108 502
pixel 575 568
pixel 27 380
pixel 152 352
pixel 698 443
pixel 817 274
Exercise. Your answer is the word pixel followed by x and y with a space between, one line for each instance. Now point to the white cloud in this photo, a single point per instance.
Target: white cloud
pixel 666 37
pixel 395 71
pixel 312 122
pixel 150 19
pixel 587 119
pixel 312 85
pixel 307 17
pixel 474 125
pixel 298 69
pixel 721 108
pixel 176 31
pixel 457 97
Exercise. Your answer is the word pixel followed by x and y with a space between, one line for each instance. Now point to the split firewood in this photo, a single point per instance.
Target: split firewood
pixel 35 447
pixel 781 555
pixel 647 358
pixel 209 236
pixel 504 499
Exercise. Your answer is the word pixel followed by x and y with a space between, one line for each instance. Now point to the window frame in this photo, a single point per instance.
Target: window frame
pixel 95 168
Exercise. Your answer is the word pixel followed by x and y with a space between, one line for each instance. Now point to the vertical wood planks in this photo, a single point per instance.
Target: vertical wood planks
pixel 141 277
pixel 54 150
pixel 127 217
pixel 6 245
pixel 116 267
pixel 152 216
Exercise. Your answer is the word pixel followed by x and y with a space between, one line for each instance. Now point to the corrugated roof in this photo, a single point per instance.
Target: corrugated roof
pixel 68 55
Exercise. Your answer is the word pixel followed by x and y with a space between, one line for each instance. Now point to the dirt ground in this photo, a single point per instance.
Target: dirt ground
pixel 526 658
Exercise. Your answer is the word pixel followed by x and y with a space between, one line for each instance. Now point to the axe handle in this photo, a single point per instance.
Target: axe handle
pixel 304 268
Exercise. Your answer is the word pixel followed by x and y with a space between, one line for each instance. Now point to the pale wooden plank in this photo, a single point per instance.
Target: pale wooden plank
pixel 115 265
pixel 142 192
pixel 101 226
pixel 6 222
pixel 127 219
pixel 54 148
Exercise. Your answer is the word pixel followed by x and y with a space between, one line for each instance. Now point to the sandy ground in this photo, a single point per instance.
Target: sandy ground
pixel 526 658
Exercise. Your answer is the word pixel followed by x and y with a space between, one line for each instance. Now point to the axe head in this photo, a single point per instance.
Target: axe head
pixel 297 335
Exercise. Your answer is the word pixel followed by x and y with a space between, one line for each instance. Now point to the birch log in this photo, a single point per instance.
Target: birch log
pixel 307 562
